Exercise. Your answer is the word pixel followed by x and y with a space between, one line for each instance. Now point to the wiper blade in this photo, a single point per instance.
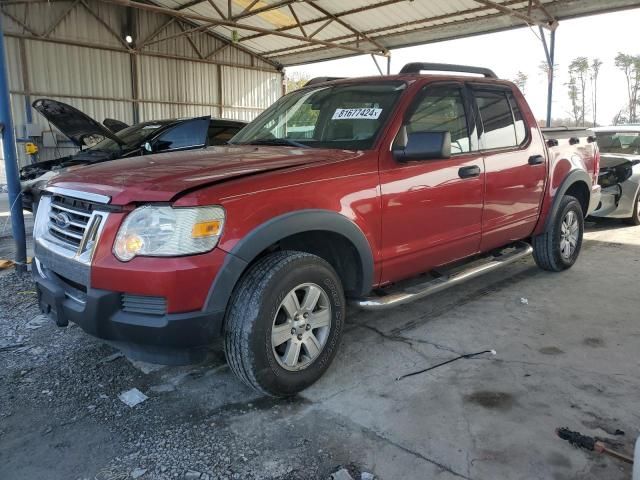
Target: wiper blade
pixel 277 142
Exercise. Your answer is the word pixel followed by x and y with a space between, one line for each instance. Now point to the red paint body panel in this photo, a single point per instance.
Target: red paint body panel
pixel 415 216
pixel 183 281
pixel 514 189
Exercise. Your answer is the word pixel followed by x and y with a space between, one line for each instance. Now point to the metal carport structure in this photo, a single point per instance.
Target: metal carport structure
pixel 279 33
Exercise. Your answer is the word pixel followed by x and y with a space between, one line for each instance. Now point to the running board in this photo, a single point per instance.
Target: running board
pixel 436 285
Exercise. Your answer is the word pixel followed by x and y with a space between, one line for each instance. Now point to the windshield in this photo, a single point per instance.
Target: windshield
pixel 131 136
pixel 345 117
pixel 619 142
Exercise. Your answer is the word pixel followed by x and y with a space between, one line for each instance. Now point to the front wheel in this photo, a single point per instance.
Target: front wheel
pixel 284 323
pixel 559 247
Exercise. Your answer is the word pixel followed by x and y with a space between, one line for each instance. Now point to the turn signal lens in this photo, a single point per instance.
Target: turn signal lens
pixel 133 244
pixel 206 229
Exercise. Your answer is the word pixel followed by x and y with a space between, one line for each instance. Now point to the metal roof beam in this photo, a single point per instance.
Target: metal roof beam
pixel 334 17
pixel 514 13
pixel 157 31
pixel 182 33
pixel 264 9
pixel 190 40
pixel 98 46
pixel 301 49
pixel 345 25
pixel 105 25
pixel 59 20
pixel 19 22
pixel 235 25
pixel 293 13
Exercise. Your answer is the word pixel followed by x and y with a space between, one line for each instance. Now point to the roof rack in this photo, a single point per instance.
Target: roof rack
pixel 317 80
pixel 417 67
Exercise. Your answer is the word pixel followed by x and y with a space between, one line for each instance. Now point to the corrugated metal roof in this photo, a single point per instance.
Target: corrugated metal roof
pixel 301 31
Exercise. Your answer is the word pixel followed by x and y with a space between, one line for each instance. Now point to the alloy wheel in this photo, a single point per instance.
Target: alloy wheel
pixel 301 327
pixel 569 230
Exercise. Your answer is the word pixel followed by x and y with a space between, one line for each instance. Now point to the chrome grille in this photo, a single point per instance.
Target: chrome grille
pixel 69 219
pixel 70 224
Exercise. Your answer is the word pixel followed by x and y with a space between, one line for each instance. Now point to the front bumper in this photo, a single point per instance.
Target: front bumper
pixel 176 338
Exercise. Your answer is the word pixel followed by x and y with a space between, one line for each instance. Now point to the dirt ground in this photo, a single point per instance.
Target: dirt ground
pixel 567 355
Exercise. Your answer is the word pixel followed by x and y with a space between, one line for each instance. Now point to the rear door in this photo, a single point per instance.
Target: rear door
pixel 515 167
pixel 432 209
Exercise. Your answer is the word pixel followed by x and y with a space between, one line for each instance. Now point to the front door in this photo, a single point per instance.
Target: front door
pixel 432 209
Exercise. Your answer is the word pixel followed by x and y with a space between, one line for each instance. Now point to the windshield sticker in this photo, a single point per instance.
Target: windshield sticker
pixel 356 114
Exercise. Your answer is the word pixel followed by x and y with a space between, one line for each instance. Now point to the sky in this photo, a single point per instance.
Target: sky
pixel 506 53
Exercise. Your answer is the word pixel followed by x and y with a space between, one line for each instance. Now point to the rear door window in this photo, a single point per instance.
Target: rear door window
pixel 441 109
pixel 498 125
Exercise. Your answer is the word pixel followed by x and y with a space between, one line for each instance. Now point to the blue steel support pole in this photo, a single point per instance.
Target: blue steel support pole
pixel 552 54
pixel 11 161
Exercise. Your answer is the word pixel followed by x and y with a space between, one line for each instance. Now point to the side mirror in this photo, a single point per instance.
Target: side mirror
pixel 423 146
pixel 147 146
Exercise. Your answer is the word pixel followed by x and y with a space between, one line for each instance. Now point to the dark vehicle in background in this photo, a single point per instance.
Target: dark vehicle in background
pixel 142 138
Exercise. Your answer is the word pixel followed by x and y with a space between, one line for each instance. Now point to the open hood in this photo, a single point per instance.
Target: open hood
pixel 72 122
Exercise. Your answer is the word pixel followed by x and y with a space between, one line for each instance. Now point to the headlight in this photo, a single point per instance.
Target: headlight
pixel 163 231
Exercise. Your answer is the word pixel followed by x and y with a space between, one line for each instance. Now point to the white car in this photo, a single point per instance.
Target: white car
pixel 619 172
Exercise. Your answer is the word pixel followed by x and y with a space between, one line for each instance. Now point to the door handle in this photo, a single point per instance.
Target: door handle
pixel 469 172
pixel 536 160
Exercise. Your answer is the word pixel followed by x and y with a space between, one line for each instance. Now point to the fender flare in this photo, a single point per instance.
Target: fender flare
pixel 572 178
pixel 270 232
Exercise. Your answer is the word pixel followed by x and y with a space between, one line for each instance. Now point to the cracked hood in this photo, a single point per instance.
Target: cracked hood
pixel 160 177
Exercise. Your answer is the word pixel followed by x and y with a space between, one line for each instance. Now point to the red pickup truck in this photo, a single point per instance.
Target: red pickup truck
pixel 340 190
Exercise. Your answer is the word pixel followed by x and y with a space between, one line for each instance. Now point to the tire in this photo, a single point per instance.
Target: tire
pixel 263 312
pixel 547 247
pixel 635 219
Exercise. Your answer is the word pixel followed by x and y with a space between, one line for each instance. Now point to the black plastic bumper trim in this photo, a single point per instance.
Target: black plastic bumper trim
pixel 102 316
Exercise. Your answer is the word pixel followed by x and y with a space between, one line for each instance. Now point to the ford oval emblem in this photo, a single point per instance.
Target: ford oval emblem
pixel 62 220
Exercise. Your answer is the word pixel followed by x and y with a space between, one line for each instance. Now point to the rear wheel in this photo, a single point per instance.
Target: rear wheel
pixel 635 218
pixel 284 323
pixel 559 247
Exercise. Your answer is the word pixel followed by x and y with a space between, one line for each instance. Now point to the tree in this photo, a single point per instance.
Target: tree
pixel 596 63
pixel 295 81
pixel 630 66
pixel 578 71
pixel 574 96
pixel 521 81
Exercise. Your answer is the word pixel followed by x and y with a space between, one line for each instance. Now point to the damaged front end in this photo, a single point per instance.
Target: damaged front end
pixel 619 178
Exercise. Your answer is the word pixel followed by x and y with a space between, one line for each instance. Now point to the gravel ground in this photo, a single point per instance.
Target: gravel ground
pixel 61 386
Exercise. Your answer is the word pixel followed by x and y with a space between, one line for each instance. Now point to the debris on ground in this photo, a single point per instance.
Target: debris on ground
pixel 342 474
pixel 132 397
pixel 524 301
pixel 138 472
pixel 110 358
pixel 590 443
pixel 468 355
pixel 37 322
pixel 145 367
pixel 4 264
pixel 367 476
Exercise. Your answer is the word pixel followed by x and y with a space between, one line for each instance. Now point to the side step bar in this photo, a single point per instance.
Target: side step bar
pixel 423 290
